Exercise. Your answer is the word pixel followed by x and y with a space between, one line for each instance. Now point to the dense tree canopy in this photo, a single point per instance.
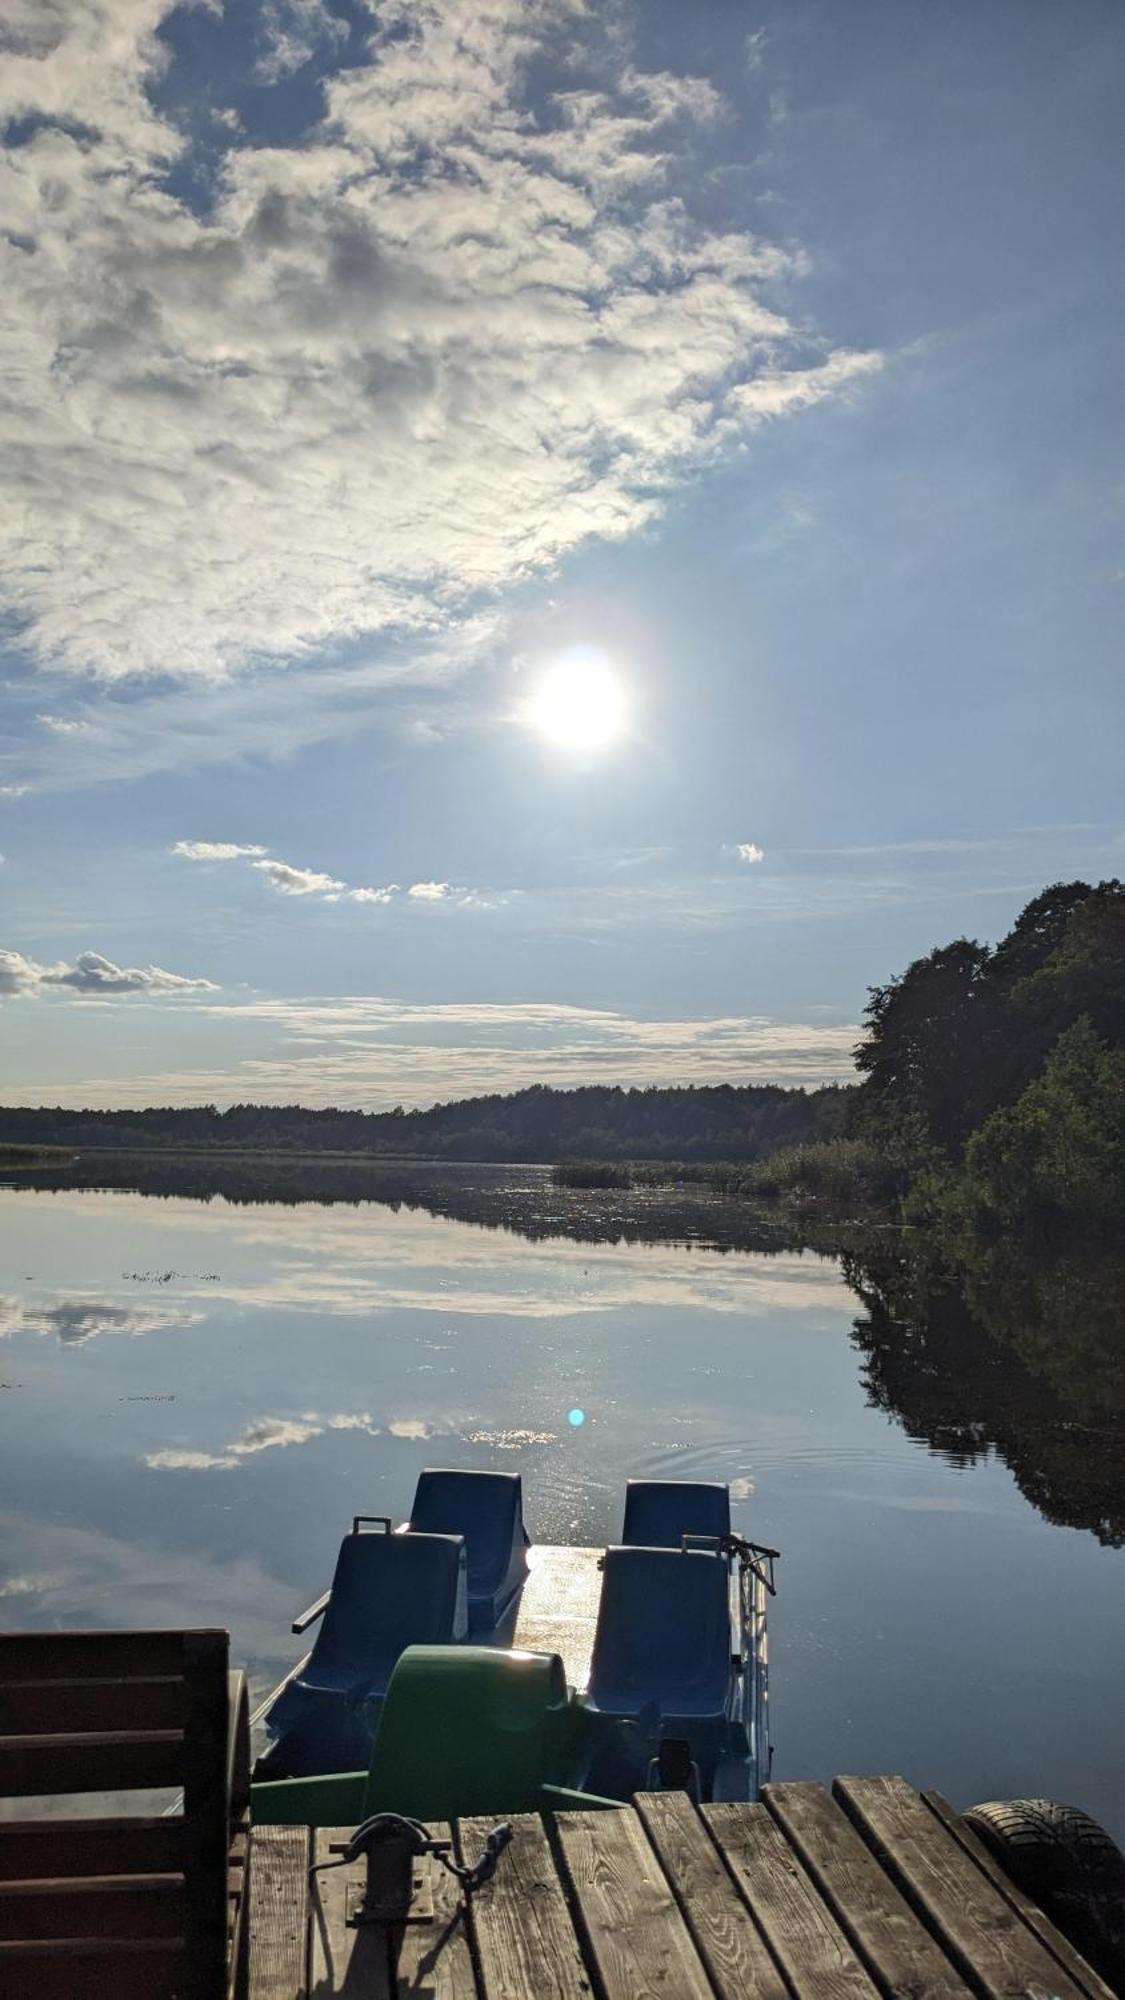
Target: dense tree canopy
pixel 963 1031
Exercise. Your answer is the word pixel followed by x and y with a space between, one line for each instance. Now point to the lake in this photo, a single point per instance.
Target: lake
pixel 198 1390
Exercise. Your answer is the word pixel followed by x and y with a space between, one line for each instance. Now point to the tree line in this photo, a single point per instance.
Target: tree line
pixel 701 1123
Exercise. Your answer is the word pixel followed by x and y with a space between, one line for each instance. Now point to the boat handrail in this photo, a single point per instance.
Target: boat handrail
pixel 314 1612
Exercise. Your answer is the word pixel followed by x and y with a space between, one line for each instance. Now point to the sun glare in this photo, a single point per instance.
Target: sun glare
pixel 579 703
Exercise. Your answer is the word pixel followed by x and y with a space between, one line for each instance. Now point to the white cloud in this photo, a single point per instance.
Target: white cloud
pixel 91 973
pixel 386 895
pixel 373 1053
pixel 749 851
pixel 14 791
pixel 63 725
pixel 213 850
pixel 292 881
pixel 414 358
pixel 293 32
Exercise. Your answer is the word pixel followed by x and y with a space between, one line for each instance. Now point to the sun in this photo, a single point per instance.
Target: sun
pixel 579 703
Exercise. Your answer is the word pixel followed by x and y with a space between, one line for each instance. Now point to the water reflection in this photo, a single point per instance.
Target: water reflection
pixel 72 1320
pixel 997 1355
pixel 1011 1357
pixel 295 1361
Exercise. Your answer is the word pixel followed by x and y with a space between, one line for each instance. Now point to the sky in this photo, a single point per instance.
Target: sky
pixel 542 541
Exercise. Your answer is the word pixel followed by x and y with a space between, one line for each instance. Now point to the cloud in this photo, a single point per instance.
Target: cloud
pixel 289 880
pixel 386 895
pixel 91 973
pixel 749 851
pixel 213 850
pixel 373 1053
pixel 14 791
pixel 292 881
pixel 362 380
pixel 293 32
pixel 63 725
pixel 271 717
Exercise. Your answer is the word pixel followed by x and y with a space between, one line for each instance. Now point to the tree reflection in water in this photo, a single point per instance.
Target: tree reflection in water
pixel 1003 1353
pixel 973 1349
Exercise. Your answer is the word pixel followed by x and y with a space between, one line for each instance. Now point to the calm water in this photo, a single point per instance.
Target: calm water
pixel 195 1395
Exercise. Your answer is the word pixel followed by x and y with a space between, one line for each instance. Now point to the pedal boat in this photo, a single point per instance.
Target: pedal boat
pixel 460 1669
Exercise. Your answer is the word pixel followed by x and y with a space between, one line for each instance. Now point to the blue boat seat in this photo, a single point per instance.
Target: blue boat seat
pixel 659 1512
pixel 487 1509
pixel 389 1592
pixel 662 1645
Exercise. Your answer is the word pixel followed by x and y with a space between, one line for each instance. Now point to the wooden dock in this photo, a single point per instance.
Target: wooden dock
pixel 874 1890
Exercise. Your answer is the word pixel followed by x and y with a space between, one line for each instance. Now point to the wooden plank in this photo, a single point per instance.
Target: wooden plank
pixel 92 1704
pixel 207 1829
pixel 635 1939
pixel 29 1656
pixel 238 1911
pixel 725 1934
pixel 152 1969
pixel 817 1959
pixel 112 1761
pixel 278 1913
pixel 39 1847
pixel 1059 1946
pixel 525 1940
pixel 999 1955
pixel 434 1960
pixel 105 1906
pixel 901 1955
pixel 342 1960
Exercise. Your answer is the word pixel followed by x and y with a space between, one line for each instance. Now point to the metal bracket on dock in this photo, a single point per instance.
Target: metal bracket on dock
pixel 400 1857
pixel 382 1901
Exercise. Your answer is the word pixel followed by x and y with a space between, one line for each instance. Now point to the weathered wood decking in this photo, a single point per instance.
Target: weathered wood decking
pixel 875 1890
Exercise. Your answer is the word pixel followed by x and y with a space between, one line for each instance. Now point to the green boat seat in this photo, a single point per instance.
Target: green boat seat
pixel 660 1512
pixel 487 1509
pixel 464 1730
pixel 474 1730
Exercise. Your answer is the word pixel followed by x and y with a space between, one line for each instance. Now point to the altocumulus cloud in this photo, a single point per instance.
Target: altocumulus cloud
pixel 23 978
pixel 416 354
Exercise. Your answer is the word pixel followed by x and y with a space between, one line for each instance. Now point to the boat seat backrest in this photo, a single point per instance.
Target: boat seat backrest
pixel 659 1512
pixel 663 1632
pixel 389 1592
pixel 485 1507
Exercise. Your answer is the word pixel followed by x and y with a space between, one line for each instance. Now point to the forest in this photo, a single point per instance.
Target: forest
pixel 721 1122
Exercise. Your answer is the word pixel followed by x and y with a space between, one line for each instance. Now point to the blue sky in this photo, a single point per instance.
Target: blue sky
pixel 371 364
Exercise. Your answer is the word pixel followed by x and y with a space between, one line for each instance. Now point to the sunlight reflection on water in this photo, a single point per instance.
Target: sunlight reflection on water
pixel 196 1396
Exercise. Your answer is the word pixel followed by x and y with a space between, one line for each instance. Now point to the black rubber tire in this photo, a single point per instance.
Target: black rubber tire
pixel 1068 1864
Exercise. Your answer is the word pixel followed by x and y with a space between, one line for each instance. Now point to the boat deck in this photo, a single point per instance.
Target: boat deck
pixel 558 1606
pixel 875 1889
